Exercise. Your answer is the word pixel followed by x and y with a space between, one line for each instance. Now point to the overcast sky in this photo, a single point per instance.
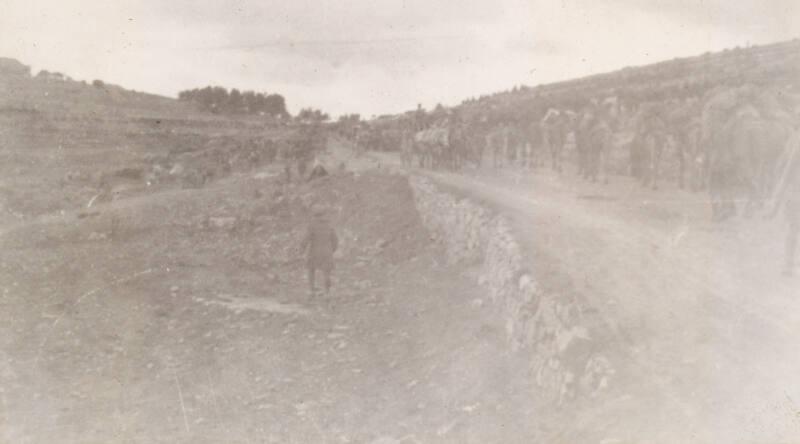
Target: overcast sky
pixel 373 56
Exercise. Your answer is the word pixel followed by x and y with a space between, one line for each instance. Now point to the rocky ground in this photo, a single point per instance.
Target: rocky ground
pixel 184 316
pixel 178 311
pixel 151 291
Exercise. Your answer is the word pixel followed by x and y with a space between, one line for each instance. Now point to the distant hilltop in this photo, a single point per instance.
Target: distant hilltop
pixel 13 67
pixel 57 93
pixel 53 91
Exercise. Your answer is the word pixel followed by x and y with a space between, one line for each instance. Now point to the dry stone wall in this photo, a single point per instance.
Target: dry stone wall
pixel 459 224
pixel 565 361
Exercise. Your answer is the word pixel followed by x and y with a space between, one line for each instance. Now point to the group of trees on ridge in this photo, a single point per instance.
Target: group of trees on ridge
pixel 312 116
pixel 220 100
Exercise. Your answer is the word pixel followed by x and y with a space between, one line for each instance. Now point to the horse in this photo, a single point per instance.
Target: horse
pixel 433 144
pixel 460 149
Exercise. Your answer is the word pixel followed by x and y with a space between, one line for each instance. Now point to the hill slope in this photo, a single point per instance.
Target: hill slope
pixel 64 142
pixel 776 64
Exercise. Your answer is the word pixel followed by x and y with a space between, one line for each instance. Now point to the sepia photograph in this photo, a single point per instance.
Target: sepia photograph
pixel 399 221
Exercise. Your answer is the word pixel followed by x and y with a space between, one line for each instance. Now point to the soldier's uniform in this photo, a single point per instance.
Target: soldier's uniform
pixel 319 245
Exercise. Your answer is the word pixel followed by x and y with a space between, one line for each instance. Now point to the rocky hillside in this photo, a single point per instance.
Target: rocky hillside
pixel 59 94
pixel 775 64
pixel 65 142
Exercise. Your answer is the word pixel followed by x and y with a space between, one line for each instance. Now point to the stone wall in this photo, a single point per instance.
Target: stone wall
pixel 459 224
pixel 549 327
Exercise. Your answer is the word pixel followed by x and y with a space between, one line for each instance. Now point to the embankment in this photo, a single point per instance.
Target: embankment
pixel 549 328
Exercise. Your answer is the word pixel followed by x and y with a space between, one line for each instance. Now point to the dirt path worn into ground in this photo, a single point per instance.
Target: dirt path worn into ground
pixel 702 325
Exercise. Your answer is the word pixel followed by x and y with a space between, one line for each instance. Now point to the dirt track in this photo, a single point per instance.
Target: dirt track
pixel 181 332
pixel 701 323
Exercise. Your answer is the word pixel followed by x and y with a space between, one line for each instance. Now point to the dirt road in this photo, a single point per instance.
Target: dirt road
pixel 191 323
pixel 701 323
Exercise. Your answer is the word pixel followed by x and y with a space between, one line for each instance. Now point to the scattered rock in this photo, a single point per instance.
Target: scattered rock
pixel 176 170
pixel 97 236
pixel 471 408
pixel 223 222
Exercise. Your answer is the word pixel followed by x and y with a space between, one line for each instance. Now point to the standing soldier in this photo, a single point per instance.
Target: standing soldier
pixel 419 119
pixel 284 154
pixel 582 141
pixel 319 245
